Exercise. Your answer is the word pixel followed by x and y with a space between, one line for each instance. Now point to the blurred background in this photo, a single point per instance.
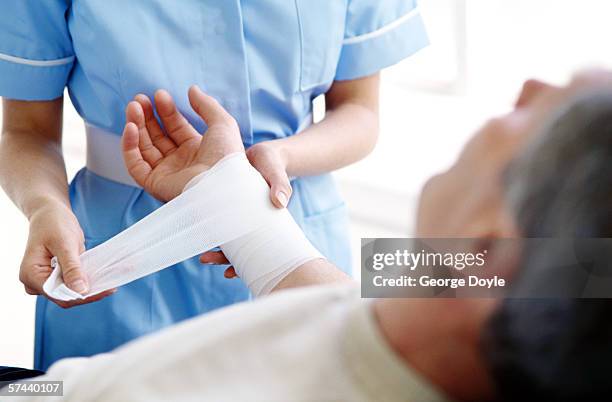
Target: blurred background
pixel 481 52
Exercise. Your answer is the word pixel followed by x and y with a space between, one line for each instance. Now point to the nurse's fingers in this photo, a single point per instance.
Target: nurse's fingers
pixel 138 168
pixel 218 258
pixel 214 257
pixel 33 275
pixel 150 153
pixel 160 141
pixel 73 303
pixel 208 108
pixel 175 124
pixel 280 188
pixel 230 273
pixel 70 262
pixel 269 163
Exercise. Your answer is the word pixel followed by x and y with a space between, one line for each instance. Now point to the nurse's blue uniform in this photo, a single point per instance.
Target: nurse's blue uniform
pixel 264 60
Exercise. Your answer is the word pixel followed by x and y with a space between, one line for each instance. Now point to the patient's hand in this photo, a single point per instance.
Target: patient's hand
pixel 163 161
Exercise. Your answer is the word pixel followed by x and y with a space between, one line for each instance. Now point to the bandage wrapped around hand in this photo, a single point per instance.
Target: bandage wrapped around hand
pixel 226 206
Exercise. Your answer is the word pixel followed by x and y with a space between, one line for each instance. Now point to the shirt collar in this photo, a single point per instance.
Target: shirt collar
pixel 375 367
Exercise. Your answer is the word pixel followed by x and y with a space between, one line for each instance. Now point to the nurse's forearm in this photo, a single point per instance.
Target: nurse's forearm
pixel 32 169
pixel 33 174
pixel 347 134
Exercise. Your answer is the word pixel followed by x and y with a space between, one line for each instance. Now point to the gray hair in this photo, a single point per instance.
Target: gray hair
pixel 561 186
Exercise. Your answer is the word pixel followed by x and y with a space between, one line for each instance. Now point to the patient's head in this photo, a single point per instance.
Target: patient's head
pixel 474 185
pixel 560 186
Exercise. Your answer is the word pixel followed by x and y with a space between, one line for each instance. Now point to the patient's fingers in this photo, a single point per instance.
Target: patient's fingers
pixel 176 125
pixel 150 153
pixel 138 168
pixel 160 141
pixel 208 108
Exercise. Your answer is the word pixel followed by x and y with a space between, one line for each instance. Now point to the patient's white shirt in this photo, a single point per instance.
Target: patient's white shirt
pixel 310 344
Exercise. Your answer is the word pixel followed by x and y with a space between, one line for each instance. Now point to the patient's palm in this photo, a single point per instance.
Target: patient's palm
pixel 174 170
pixel 192 157
pixel 164 162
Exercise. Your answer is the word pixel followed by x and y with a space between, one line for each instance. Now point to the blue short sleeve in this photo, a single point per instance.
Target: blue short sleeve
pixel 36 54
pixel 379 34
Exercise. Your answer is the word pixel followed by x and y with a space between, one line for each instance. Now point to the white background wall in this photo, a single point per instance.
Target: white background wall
pixel 431 103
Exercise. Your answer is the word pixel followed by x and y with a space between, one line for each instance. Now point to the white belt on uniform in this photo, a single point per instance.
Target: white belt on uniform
pixel 105 158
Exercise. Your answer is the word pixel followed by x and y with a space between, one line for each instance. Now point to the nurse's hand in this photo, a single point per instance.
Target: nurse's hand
pixel 218 258
pixel 268 158
pixel 163 159
pixel 55 231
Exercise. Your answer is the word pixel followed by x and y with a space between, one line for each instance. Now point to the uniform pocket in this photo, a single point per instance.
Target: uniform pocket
pixel 321 34
pixel 329 233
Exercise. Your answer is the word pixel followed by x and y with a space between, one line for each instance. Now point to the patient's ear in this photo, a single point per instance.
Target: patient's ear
pixel 531 88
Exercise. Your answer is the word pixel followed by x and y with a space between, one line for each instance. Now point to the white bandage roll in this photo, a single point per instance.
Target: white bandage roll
pixel 227 206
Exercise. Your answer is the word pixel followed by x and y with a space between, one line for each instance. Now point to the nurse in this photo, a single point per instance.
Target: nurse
pixel 265 61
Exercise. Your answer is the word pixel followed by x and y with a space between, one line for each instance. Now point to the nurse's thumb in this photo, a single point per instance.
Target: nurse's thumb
pixel 280 189
pixel 70 264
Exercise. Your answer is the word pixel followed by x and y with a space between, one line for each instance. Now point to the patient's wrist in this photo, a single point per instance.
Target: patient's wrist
pixel 276 246
pixel 196 174
pixel 264 256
